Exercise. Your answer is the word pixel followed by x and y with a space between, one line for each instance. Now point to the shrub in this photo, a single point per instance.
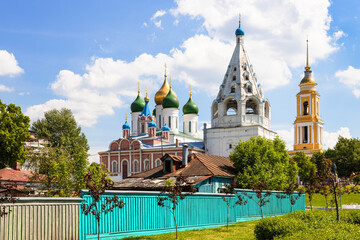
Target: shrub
pixel 352 216
pixel 268 228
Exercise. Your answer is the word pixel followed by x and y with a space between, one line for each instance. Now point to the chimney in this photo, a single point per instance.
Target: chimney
pixel 17 166
pixel 177 142
pixel 185 154
pixel 205 137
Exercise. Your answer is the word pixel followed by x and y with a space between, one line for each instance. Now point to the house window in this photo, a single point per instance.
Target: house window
pixel 160 121
pixel 157 162
pixel 189 126
pixel 176 122
pixel 169 122
pixel 142 128
pixel 230 146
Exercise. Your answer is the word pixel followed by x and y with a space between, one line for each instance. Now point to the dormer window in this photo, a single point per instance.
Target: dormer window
pixel 168 166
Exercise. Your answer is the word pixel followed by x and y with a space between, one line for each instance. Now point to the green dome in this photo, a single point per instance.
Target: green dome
pixel 190 107
pixel 170 101
pixel 138 105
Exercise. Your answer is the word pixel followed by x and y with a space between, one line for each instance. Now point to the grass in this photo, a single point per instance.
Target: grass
pixel 319 200
pixel 243 230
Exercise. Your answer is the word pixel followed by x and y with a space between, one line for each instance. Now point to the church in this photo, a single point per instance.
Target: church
pixel 239 111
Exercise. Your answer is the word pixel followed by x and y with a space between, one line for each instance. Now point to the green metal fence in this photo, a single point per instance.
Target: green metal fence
pixel 142 215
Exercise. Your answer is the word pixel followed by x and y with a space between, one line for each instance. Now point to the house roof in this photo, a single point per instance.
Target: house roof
pixel 9 174
pixel 199 168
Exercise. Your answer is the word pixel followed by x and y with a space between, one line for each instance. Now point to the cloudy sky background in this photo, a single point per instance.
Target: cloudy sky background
pixel 89 55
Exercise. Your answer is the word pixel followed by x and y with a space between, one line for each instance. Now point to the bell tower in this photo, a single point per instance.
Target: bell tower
pixel 308 126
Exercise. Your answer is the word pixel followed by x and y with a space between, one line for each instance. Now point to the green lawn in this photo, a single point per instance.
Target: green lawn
pixel 244 230
pixel 319 200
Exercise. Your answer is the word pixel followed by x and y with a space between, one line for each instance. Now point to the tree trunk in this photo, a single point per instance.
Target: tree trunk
pixel 227 223
pixel 326 200
pixel 262 216
pixel 310 198
pixel 175 225
pixel 336 202
pixel 99 229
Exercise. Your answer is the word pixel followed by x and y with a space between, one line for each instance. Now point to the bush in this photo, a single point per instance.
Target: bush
pixel 268 228
pixel 352 216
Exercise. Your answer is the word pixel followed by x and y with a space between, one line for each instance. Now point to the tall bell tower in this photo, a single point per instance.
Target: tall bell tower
pixel 308 126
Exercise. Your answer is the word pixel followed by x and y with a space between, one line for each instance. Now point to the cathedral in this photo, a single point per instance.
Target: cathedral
pixel 239 111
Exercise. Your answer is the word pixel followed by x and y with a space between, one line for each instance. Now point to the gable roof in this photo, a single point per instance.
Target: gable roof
pixel 9 174
pixel 217 165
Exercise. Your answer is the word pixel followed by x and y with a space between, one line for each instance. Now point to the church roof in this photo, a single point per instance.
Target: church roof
pixel 137 105
pixel 171 100
pixel 146 110
pixel 190 107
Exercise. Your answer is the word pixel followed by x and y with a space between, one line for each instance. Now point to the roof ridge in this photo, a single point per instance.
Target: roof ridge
pixel 203 164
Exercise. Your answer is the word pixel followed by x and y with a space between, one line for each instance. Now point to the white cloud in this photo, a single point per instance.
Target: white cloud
pixel 8 64
pixel 339 34
pixel 351 78
pixel 4 88
pixel 275 32
pixel 176 22
pixel 330 138
pixel 155 18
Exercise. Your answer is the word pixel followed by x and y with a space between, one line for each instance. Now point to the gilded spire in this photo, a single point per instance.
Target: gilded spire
pixel 163 91
pixel 165 71
pixel 125 117
pixel 190 91
pixel 239 19
pixel 138 88
pixel 146 97
pixel 307 68
pixel 170 81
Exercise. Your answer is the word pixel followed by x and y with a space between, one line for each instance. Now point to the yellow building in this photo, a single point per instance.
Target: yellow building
pixel 308 127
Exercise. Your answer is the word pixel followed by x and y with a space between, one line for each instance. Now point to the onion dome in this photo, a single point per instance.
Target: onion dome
pixel 239 31
pixel 152 124
pixel 138 104
pixel 126 125
pixel 163 91
pixel 165 128
pixel 190 107
pixel 171 100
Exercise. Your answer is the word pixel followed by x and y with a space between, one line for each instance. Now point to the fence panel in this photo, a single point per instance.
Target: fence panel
pixel 41 219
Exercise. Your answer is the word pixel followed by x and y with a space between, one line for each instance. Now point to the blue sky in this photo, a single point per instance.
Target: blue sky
pixel 89 55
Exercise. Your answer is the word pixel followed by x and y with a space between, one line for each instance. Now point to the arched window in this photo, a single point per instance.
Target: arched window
pixel 142 128
pixel 232 89
pixel 157 162
pixel 114 167
pixel 249 89
pixel 234 78
pixel 306 108
pixel 305 135
pixel 214 110
pixel 169 122
pixel 231 107
pixel 147 165
pixel 136 166
pixel 251 107
pixel 190 126
pixel 160 121
pixel 234 69
pixel 267 109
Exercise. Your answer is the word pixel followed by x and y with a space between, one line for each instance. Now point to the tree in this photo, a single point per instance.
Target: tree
pixel 307 169
pixel 346 156
pixel 60 127
pixel 172 194
pixel 293 192
pixel 97 181
pixel 52 168
pixel 260 160
pixel 14 128
pixel 229 195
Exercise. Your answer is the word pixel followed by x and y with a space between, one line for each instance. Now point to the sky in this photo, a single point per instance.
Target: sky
pixel 89 55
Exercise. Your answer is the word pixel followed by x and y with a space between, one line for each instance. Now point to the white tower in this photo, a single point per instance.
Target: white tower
pixel 240 109
pixel 159 97
pixel 170 110
pixel 190 117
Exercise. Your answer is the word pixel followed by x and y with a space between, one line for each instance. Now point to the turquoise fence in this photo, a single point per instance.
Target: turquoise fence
pixel 142 215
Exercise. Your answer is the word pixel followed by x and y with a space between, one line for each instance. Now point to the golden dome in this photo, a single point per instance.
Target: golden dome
pixel 307 80
pixel 163 91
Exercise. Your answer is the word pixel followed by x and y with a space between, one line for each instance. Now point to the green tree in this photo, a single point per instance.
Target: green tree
pixel 260 160
pixel 307 169
pixel 52 168
pixel 60 127
pixel 14 128
pixel 346 155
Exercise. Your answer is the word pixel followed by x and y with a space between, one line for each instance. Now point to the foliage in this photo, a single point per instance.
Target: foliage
pixel 97 181
pixel 229 195
pixel 60 127
pixel 172 194
pixel 263 160
pixel 309 225
pixel 6 197
pixel 346 155
pixel 262 195
pixel 307 169
pixel 293 192
pixel 14 128
pixel 53 170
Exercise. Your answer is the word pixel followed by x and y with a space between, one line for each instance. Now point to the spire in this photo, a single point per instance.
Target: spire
pixel 170 81
pixel 190 91
pixel 125 117
pixel 307 68
pixel 239 19
pixel 239 31
pixel 138 88
pixel 165 71
pixel 146 97
pixel 163 91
